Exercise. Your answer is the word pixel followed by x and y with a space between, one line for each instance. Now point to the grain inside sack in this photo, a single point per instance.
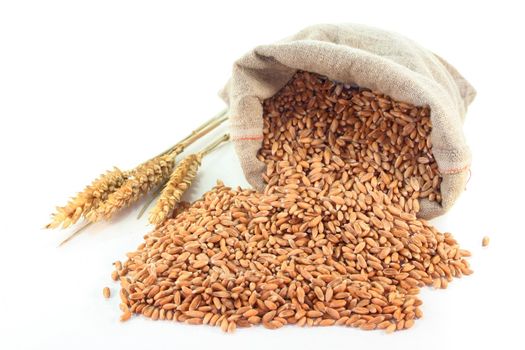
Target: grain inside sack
pixel 333 238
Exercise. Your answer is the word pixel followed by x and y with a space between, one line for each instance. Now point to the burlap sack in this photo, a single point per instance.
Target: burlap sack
pixel 369 57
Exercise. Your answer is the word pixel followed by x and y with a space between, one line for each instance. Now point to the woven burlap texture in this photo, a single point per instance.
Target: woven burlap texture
pixel 369 57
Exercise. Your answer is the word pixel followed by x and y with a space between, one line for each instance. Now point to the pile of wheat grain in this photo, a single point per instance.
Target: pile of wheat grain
pixel 333 240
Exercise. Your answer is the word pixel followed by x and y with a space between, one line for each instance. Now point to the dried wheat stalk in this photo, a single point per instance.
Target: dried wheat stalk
pixel 116 189
pixel 89 199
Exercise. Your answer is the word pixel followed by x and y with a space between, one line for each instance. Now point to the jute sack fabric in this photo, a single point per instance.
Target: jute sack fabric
pixel 369 57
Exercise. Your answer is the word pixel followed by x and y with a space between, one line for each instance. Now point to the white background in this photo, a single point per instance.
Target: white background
pixel 85 85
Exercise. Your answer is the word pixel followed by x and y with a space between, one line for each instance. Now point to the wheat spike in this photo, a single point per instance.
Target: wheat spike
pixel 142 179
pixel 89 199
pixel 178 183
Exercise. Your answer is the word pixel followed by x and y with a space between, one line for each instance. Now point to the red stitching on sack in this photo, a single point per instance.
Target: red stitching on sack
pixel 249 138
pixel 454 171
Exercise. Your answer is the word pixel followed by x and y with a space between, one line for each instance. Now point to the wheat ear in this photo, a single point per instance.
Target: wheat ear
pixel 179 181
pixel 195 135
pixel 89 199
pixel 142 179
